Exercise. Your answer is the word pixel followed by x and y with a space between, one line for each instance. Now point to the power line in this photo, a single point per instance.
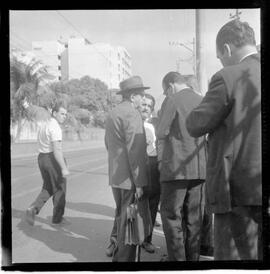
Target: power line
pixel 23 42
pixel 72 26
pixel 86 39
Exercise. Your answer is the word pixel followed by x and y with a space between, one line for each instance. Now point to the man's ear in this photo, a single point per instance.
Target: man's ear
pixel 227 49
pixel 132 97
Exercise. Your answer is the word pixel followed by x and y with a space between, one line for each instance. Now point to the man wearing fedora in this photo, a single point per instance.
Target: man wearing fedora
pixel 126 144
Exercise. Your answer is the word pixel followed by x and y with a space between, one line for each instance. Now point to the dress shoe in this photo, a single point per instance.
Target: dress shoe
pixel 30 215
pixel 207 250
pixel 164 258
pixel 148 247
pixel 111 249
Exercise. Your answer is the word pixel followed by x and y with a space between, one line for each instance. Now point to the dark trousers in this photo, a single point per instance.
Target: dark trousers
pixel 181 213
pixel 153 191
pixel 207 233
pixel 54 185
pixel 238 234
pixel 123 198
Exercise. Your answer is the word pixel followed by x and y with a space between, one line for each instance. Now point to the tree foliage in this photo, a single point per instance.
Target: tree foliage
pixel 88 99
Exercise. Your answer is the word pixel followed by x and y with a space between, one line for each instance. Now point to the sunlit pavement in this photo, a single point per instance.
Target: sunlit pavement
pixel 89 209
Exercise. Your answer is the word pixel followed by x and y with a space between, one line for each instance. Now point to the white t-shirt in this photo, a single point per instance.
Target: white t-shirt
pixel 150 139
pixel 49 131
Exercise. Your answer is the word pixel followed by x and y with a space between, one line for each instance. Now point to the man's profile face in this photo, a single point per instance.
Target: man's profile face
pixel 137 99
pixel 146 108
pixel 60 115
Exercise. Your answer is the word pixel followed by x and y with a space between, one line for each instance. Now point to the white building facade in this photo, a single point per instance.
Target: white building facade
pixel 100 60
pixel 50 53
pixel 78 57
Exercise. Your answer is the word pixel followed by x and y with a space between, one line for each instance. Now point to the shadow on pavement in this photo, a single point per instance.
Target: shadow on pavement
pixel 83 239
pixel 91 208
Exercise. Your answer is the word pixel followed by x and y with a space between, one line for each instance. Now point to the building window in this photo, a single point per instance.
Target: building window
pixel 59 57
pixel 59 67
pixel 59 78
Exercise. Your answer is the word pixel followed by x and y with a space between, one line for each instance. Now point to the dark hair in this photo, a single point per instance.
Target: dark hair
pixel 149 96
pixel 237 33
pixel 58 105
pixel 173 77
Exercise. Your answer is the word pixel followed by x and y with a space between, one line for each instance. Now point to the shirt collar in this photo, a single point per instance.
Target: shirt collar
pixel 245 56
pixel 182 87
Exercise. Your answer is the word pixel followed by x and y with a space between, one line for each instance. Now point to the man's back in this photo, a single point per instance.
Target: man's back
pixel 241 131
pixel 231 114
pixel 183 155
pixel 126 144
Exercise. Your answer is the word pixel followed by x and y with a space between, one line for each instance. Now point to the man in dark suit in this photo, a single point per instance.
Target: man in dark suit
pixel 182 171
pixel 126 144
pixel 231 113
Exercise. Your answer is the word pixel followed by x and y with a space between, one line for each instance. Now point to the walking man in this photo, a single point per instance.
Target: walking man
pixel 51 163
pixel 182 171
pixel 231 113
pixel 126 144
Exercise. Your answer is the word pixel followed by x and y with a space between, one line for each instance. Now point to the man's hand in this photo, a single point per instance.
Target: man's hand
pixel 65 172
pixel 139 192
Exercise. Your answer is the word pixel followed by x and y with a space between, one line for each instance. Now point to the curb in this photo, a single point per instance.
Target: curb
pixel 19 156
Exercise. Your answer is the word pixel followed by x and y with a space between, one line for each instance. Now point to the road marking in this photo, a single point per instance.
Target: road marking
pixel 38 172
pixel 69 177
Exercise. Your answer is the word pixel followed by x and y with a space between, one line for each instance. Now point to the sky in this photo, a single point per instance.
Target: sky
pixel 150 36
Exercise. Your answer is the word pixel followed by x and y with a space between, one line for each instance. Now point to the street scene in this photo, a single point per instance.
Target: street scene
pixel 135 136
pixel 89 208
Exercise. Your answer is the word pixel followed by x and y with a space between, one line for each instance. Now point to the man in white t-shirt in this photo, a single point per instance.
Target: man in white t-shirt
pixel 51 163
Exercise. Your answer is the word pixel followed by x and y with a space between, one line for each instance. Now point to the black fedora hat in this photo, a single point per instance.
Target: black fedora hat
pixel 131 84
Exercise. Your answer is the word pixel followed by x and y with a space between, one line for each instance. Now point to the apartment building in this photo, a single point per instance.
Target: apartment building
pixel 51 54
pixel 100 60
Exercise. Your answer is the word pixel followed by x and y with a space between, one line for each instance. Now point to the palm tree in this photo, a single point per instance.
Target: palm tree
pixel 28 78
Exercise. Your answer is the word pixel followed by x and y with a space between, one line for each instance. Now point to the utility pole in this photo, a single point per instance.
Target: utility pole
pixel 236 15
pixel 192 58
pixel 200 48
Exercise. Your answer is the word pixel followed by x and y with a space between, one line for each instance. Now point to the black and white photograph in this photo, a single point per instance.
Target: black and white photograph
pixel 135 136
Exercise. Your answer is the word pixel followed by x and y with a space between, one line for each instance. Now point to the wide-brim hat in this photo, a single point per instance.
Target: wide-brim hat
pixel 133 83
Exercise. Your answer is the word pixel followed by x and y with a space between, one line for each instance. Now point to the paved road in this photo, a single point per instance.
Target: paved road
pixel 89 208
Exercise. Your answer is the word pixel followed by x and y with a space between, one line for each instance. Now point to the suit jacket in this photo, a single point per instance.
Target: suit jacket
pixel 231 113
pixel 183 156
pixel 126 144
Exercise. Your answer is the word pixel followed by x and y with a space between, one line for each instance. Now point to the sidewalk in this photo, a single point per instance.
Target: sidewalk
pixel 30 149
